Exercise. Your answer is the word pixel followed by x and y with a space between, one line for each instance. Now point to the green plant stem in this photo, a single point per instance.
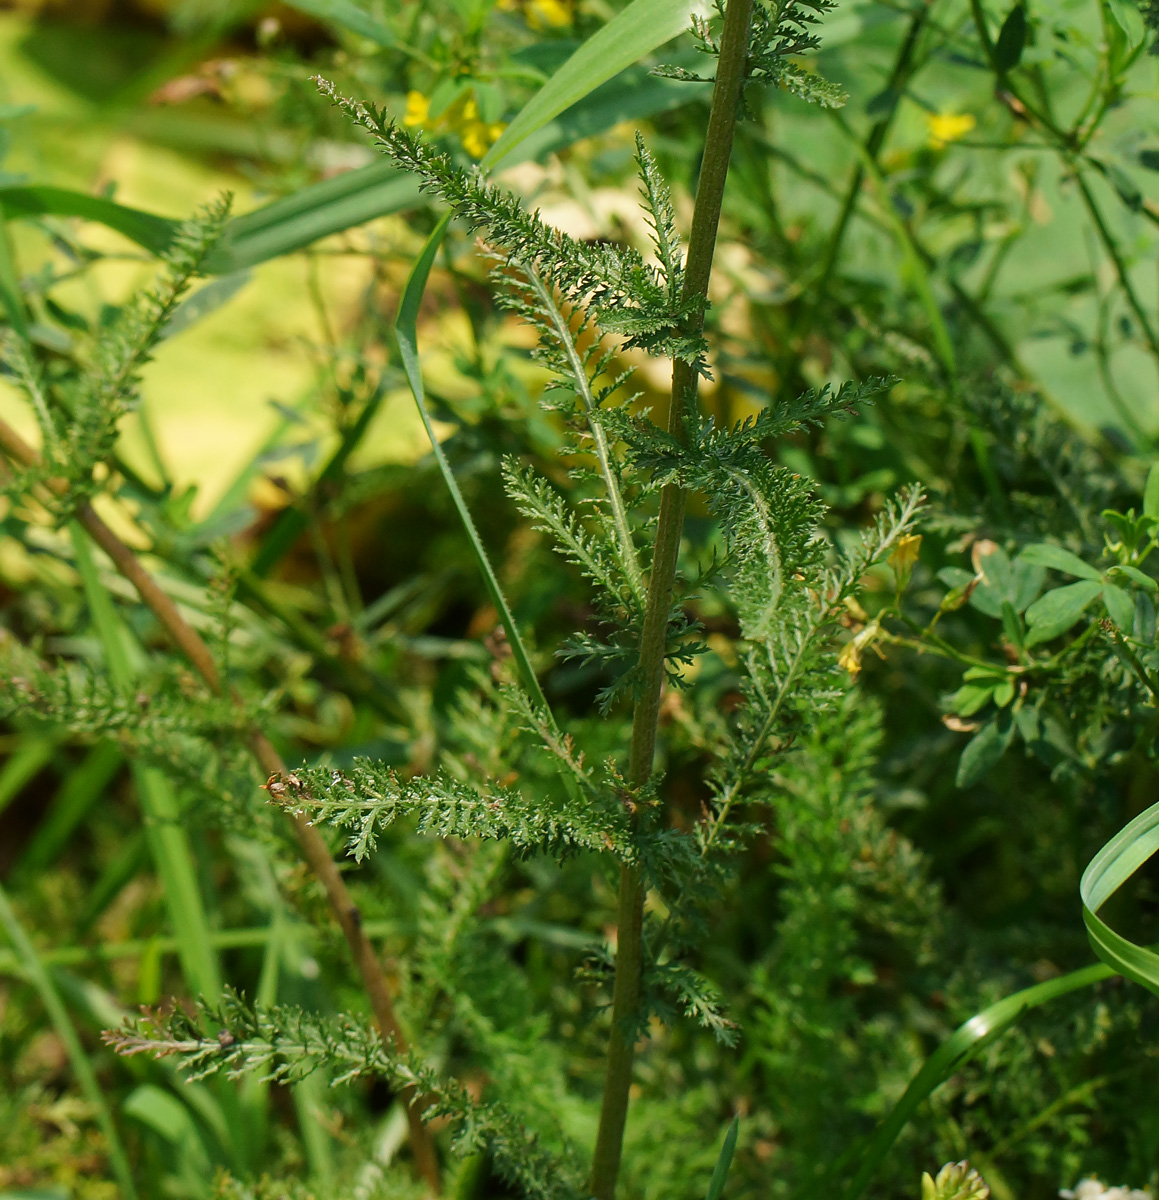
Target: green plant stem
pixel 726 95
pixel 66 1031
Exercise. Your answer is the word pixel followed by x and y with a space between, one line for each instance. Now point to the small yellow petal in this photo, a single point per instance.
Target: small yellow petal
pixel 850 658
pixel 418 108
pixel 949 127
pixel 905 556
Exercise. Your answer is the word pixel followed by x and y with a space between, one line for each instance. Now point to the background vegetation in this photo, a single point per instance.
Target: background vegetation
pixel 978 221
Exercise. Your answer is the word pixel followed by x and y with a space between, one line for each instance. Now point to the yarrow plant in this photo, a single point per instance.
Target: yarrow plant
pixel 780 756
pixel 619 520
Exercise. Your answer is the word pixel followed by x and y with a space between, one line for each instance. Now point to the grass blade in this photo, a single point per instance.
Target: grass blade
pixel 957 1049
pixel 82 788
pixel 148 230
pixel 406 330
pixel 10 295
pixel 289 224
pixel 624 40
pixel 1114 864
pixel 358 196
pixel 82 1068
pixel 24 764
pixel 720 1171
pixel 168 841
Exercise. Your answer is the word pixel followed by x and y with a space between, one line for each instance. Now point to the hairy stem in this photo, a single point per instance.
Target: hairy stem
pixel 314 847
pixel 726 95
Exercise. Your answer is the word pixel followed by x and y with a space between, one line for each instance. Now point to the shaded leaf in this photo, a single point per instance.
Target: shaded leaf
pixel 985 748
pixel 1011 39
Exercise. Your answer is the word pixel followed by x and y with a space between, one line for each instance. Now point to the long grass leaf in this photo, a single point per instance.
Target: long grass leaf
pixel 957 1049
pixel 632 33
pixel 720 1171
pixel 348 17
pixel 406 331
pixel 1114 864
pixel 148 230
pixel 30 757
pixel 36 974
pixel 355 197
pixel 10 295
pixel 167 839
pixel 81 789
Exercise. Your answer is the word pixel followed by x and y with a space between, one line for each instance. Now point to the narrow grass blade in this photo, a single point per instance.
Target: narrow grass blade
pixel 289 224
pixel 81 789
pixel 34 971
pixel 167 839
pixel 624 40
pixel 378 189
pixel 152 232
pixel 720 1171
pixel 10 295
pixel 24 764
pixel 406 330
pixel 126 864
pixel 957 1049
pixel 1114 864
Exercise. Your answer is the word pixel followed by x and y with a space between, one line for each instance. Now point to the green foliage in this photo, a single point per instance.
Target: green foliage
pixel 884 759
pixel 286 1044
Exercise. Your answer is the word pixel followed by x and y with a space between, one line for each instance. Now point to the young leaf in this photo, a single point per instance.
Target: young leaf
pixel 971 698
pixel 1059 609
pixel 1138 576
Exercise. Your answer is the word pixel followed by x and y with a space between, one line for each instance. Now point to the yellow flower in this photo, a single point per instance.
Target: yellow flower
pixel 850 656
pixel 948 127
pixel 418 108
pixel 544 13
pixel 905 556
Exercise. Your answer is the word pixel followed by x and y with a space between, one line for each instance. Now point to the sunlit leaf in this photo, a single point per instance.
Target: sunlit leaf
pixel 1056 611
pixel 1059 559
pixel 634 32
